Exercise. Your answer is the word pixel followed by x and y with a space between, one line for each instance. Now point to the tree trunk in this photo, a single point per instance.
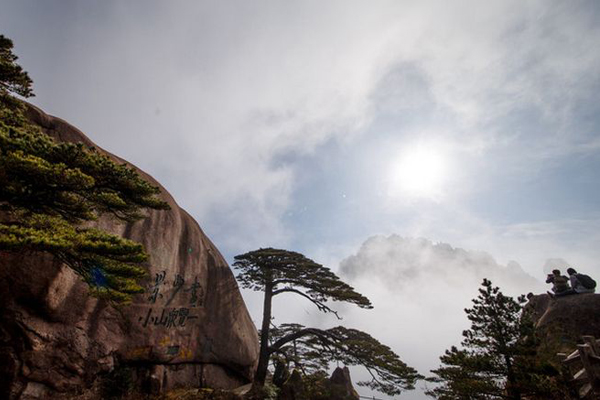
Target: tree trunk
pixel 263 359
pixel 514 393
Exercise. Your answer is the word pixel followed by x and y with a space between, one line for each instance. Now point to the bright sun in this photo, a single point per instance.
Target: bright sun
pixel 419 172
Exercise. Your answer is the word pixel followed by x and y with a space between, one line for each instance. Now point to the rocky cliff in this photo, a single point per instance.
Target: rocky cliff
pixel 561 322
pixel 191 328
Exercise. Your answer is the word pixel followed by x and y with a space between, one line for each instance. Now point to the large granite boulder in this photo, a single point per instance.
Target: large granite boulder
pixel 562 321
pixel 191 328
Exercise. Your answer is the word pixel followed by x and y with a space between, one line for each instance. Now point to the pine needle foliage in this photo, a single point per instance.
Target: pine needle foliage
pixel 498 358
pixel 311 351
pixel 284 271
pixel 13 80
pixel 49 190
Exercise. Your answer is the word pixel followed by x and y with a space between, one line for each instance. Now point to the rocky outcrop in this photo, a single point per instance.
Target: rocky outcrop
pixel 562 321
pixel 191 328
pixel 337 387
pixel 340 385
pixel 293 388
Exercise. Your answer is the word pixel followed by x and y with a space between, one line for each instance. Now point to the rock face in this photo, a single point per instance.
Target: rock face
pixel 191 328
pixel 340 385
pixel 293 388
pixel 337 387
pixel 562 321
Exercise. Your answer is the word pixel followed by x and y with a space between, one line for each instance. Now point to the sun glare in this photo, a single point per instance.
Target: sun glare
pixel 419 172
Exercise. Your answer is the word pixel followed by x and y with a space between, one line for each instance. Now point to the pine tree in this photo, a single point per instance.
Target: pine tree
pixel 276 272
pixel 498 358
pixel 48 190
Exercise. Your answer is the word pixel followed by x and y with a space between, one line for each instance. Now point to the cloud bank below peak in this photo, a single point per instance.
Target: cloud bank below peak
pixel 404 263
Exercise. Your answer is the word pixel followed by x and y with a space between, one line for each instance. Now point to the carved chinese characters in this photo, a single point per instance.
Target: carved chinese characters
pixel 172 317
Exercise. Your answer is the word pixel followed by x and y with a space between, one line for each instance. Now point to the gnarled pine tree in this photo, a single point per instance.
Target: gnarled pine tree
pixel 276 272
pixel 49 189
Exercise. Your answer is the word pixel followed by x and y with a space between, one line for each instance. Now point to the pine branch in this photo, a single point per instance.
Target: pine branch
pixel 320 305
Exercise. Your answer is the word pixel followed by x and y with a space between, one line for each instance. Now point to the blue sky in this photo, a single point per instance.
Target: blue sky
pixel 316 125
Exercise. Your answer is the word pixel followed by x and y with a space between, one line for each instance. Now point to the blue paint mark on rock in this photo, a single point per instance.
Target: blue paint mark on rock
pixel 98 278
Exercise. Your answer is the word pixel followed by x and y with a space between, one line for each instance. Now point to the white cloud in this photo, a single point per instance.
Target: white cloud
pixel 413 265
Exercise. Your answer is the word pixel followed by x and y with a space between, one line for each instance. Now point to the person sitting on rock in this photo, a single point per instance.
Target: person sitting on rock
pixel 581 283
pixel 560 284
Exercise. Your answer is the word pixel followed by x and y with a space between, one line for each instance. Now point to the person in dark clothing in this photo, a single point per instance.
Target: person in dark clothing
pixel 579 282
pixel 560 284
